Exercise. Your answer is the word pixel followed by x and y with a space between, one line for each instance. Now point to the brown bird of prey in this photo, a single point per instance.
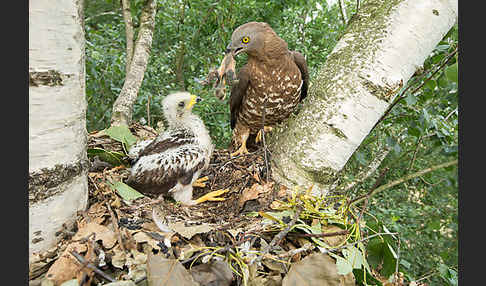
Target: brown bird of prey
pixel 270 85
pixel 172 162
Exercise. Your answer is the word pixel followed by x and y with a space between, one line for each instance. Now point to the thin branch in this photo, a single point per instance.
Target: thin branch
pixel 86 263
pixel 448 115
pixel 403 179
pixel 115 224
pixel 356 242
pixel 277 238
pixel 342 8
pixel 375 185
pixel 102 14
pixel 365 174
pixel 402 95
pixel 415 153
pixel 395 278
pixel 292 252
pixel 329 234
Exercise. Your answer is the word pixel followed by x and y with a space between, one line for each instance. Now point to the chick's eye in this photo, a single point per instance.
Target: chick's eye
pixel 245 40
pixel 181 104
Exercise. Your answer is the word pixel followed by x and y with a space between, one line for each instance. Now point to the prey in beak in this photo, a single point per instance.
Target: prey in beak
pixel 225 74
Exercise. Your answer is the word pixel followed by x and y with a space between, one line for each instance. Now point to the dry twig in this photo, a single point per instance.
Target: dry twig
pixel 277 238
pixel 115 224
pixel 85 263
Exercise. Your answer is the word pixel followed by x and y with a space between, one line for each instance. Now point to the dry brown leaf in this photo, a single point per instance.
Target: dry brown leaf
pixel 250 193
pixel 167 272
pixel 141 237
pixel 317 269
pixel 90 257
pixel 121 283
pixel 256 177
pixel 214 273
pixel 66 266
pixel 333 241
pixel 97 212
pixel 273 265
pixel 189 231
pixel 106 235
pixel 119 258
pixel 267 280
pixel 137 265
pixel 282 191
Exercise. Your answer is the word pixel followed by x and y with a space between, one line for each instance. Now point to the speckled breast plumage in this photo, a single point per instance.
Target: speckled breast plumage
pixel 281 90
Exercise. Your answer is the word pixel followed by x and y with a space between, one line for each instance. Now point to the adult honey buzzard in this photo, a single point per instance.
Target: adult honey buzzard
pixel 270 85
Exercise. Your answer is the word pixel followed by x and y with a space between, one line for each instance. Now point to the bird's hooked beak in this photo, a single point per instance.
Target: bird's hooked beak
pixel 231 49
pixel 194 100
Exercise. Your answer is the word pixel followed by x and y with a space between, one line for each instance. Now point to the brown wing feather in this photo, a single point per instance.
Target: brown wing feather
pixel 238 92
pixel 301 63
pixel 176 139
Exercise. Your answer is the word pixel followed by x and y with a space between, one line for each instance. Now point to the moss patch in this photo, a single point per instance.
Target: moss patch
pixel 48 78
pixel 43 183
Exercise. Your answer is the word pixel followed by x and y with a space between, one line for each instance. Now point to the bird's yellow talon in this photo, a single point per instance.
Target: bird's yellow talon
pixel 212 196
pixel 199 183
pixel 241 151
pixel 259 135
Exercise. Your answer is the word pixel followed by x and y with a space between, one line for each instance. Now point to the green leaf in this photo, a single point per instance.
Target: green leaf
pixel 125 191
pixel 405 263
pixel 121 134
pixel 451 72
pixel 112 157
pixel 361 157
pixel 343 266
pixel 433 225
pixel 430 84
pixel 389 261
pixel 359 275
pixel 410 99
pixel 375 252
pixel 72 282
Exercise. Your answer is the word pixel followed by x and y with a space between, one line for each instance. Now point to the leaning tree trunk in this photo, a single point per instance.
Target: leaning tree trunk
pixel 379 52
pixel 58 186
pixel 123 106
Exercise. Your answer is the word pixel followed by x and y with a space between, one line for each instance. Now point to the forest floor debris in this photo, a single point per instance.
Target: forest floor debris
pixel 261 234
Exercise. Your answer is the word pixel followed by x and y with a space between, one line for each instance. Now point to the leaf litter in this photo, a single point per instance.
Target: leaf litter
pixel 253 237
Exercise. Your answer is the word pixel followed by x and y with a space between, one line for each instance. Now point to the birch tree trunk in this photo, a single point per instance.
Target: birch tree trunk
pixel 377 55
pixel 127 17
pixel 58 186
pixel 122 108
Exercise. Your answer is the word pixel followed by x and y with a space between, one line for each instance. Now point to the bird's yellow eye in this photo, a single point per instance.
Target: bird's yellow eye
pixel 245 40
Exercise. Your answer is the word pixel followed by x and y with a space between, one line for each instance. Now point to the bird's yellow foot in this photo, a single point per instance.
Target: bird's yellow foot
pixel 212 196
pixel 199 183
pixel 259 135
pixel 241 151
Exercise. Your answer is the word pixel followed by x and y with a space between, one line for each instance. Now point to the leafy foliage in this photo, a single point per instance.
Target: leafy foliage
pixel 190 38
pixel 421 131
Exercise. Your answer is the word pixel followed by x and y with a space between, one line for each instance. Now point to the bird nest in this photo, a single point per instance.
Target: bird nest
pixel 246 237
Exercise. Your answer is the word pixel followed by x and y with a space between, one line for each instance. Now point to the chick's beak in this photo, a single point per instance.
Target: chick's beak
pixel 194 100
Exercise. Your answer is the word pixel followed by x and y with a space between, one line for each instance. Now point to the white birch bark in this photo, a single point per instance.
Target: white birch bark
pixel 122 108
pixel 57 119
pixel 379 52
pixel 127 17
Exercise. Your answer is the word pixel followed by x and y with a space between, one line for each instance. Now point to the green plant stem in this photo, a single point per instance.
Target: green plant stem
pixel 401 180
